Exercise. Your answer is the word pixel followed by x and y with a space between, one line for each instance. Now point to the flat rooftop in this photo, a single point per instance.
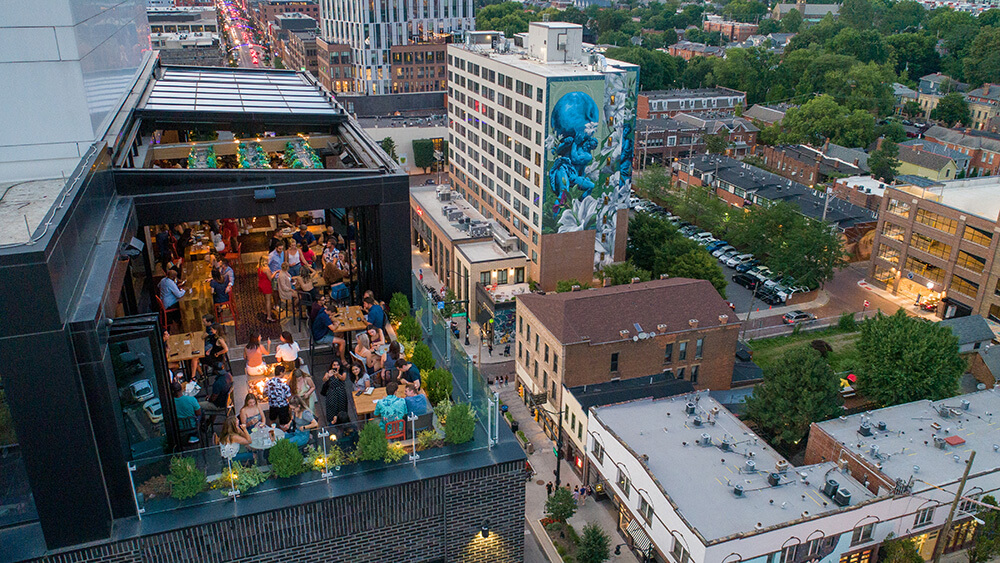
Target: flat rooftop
pixel 23 206
pixel 518 58
pixel 488 251
pixel 433 210
pixel 906 448
pixel 700 479
pixel 873 186
pixel 978 196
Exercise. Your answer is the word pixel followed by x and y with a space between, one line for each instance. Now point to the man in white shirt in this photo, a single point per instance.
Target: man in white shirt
pixel 170 291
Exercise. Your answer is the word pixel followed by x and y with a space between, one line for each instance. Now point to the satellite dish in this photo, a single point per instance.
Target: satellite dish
pixel 635 338
pixel 643 335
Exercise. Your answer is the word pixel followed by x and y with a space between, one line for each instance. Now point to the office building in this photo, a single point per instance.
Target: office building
pixel 186 36
pixel 693 483
pixel 264 11
pixel 300 52
pixel 87 473
pixel 372 30
pixel 938 243
pixel 283 26
pixel 333 66
pixel 667 329
pixel 420 67
pixel 542 141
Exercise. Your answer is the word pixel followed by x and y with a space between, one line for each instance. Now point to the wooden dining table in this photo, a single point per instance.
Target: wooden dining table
pixel 186 346
pixel 197 300
pixel 349 319
pixel 365 404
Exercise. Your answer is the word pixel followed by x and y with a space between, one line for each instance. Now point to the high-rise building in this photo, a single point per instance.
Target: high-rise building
pixel 542 139
pixel 372 29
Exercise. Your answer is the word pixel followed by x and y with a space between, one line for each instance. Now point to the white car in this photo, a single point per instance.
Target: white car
pixel 722 250
pixel 738 259
pixel 153 410
pixel 633 202
pixel 703 235
pixel 727 255
pixel 760 272
pixel 140 391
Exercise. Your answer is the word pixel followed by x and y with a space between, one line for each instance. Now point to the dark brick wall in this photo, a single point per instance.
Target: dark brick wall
pixel 432 520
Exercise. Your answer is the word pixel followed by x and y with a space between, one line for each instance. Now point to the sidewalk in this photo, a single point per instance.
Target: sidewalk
pixel 419 262
pixel 764 310
pixel 905 303
pixel 544 463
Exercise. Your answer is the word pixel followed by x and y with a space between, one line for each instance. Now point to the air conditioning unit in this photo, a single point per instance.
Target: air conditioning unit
pixel 830 488
pixel 444 194
pixel 503 239
pixel 865 429
pixel 689 408
pixel 842 497
pixel 750 466
pixel 706 440
pixel 773 479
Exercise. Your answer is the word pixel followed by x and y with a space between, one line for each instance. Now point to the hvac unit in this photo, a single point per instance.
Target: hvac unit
pixel 830 488
pixel 865 429
pixel 842 497
pixel 773 479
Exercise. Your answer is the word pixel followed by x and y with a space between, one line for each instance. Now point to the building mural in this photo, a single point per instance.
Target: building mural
pixel 589 150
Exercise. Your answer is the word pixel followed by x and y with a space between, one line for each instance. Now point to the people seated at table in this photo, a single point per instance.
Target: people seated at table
pixel 317 306
pixel 334 393
pixel 251 415
pixel 308 256
pixel 303 282
pixel 278 393
pixel 364 352
pixel 264 284
pixel 334 272
pixel 293 257
pixel 303 420
pixel 408 373
pixel 390 408
pixel 219 287
pixel 323 331
pixel 330 252
pixel 287 353
pixel 375 336
pixel 303 237
pixel 217 352
pixel 359 377
pixel 254 353
pixel 218 397
pixel 186 407
pixel 170 289
pixel 233 433
pixel 374 313
pixel 416 402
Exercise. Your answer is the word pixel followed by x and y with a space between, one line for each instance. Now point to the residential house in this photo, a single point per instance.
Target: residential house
pixel 962 160
pixel 973 332
pixel 764 115
pixel 688 50
pixel 741 133
pixel 914 160
pixel 863 191
pixel 984 104
pixel 668 103
pixel 902 94
pixel 730 30
pixel 982 147
pixel 939 84
pixel 805 164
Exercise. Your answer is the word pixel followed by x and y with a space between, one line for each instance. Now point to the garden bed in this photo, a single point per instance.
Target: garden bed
pixel 563 536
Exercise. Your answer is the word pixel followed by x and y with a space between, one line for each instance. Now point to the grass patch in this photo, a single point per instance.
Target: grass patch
pixel 843 358
pixel 565 539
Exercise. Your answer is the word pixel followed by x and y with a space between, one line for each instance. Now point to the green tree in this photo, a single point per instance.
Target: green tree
pixel 716 144
pixel 748 70
pixel 747 11
pixel 859 14
pixel 914 53
pixel 646 234
pixel 560 505
pixel 892 130
pixel 952 108
pixel 652 182
pixel 659 70
pixel 438 384
pixel 423 153
pixel 799 389
pixel 461 424
pixel 508 17
pixel 863 86
pixel 989 18
pixel 912 109
pixel 899 550
pixel 372 443
pixel 986 544
pixel 883 162
pixel 422 357
pixel 389 146
pixel 622 273
pixel 697 264
pixel 982 64
pixel 791 22
pixel 907 15
pixel 823 118
pixel 904 359
pixel 595 545
pixel 768 26
pixel 866 46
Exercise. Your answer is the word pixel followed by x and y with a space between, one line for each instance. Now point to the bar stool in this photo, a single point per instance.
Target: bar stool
pixel 220 309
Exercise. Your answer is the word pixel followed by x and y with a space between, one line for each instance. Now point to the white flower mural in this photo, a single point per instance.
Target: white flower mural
pixel 577 217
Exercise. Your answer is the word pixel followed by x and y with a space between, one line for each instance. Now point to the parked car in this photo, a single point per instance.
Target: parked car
pixel 768 296
pixel 688 230
pixel 633 202
pixel 746 281
pixel 738 259
pixel 153 410
pixel 727 255
pixel 760 272
pixel 140 391
pixel 744 267
pixel 793 317
pixel 720 250
pixel 716 244
pixel 781 291
pixel 706 241
pixel 702 235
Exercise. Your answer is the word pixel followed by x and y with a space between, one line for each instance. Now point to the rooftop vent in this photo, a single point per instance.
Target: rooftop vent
pixel 697 421
pixel 939 443
pixel 873 450
pixel 781 466
pixel 725 445
pixel 842 497
pixel 689 408
pixel 738 490
pixel 706 440
pixel 661 328
pixel 750 466
pixel 636 280
pixel 965 404
pixel 723 319
pixel 623 333
pixel 881 426
pixel 693 323
pixel 773 479
pixel 575 287
pixel 865 429
pixel 830 488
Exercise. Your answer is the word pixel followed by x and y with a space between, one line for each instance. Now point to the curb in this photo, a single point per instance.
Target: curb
pixel 821 299
pixel 545 541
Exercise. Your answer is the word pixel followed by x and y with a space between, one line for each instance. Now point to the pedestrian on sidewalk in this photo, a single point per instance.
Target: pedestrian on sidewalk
pixel 576 495
pixel 506 351
pixel 489 347
pixel 548 489
pixel 421 275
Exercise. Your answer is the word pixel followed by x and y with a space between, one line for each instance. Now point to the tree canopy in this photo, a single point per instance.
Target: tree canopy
pixel 883 162
pixel 655 246
pixel 904 359
pixel 952 109
pixel 799 389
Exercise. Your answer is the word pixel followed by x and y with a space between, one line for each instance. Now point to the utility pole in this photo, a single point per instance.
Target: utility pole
pixel 826 203
pixel 943 536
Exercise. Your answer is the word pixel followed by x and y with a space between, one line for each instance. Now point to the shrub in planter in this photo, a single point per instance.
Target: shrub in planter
pixel 394 452
pixel 439 385
pixel 441 410
pixel 427 439
pixel 186 480
pixel 155 487
pixel 422 357
pixel 285 459
pixel 409 329
pixel 461 424
pixel 372 445
pixel 243 478
pixel 399 307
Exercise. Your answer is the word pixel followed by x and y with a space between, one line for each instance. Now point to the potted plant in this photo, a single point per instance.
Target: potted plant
pixel 241 478
pixel 186 480
pixel 372 444
pixel 461 424
pixel 285 459
pixel 439 385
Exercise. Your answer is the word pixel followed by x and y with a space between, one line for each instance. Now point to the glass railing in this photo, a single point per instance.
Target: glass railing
pixel 220 473
pixel 17 505
pixel 225 473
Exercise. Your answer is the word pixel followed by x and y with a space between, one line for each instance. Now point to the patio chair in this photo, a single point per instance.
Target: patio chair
pixel 163 310
pixel 395 430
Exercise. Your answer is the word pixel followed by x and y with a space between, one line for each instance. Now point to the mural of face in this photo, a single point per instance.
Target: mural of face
pixel 574 121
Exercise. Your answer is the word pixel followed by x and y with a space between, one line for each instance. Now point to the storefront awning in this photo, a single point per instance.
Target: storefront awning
pixel 640 540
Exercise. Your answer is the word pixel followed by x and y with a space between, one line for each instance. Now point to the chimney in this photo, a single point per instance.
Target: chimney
pixel 856 161
pixel 826 145
pixel 635 280
pixel 693 323
pixel 661 328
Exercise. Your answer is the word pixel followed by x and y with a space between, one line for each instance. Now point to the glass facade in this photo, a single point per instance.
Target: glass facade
pixel 17 505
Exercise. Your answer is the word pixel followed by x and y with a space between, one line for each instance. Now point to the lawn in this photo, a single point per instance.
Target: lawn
pixel 844 357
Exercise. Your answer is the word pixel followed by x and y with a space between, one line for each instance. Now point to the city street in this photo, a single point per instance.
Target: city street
pixel 240 33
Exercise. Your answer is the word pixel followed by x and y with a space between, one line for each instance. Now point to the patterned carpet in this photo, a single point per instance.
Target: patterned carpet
pixel 254 242
pixel 249 303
